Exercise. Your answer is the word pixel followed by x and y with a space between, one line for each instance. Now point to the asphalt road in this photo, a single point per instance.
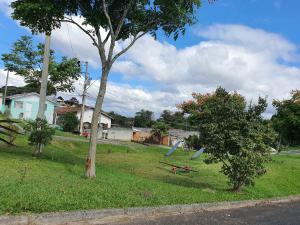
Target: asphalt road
pixel 279 214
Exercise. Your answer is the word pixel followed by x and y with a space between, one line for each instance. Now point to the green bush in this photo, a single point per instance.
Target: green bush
pixel 40 134
pixel 69 122
pixel 193 142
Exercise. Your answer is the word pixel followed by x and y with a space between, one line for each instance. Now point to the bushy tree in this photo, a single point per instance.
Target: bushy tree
pixel 193 142
pixel 26 60
pixel 143 118
pixel 233 134
pixel 286 121
pixel 176 120
pixel 40 134
pixel 69 122
pixel 121 120
pixel 159 129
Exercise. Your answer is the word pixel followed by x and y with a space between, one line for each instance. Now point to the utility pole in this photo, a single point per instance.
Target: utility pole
pixel 5 90
pixel 86 80
pixel 44 79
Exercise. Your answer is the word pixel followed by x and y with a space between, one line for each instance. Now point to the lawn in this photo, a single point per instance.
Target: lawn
pixel 127 176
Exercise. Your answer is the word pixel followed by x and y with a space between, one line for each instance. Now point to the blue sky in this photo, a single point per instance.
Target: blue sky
pixel 259 35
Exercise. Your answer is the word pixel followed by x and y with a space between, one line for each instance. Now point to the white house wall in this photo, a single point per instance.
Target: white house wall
pixel 88 114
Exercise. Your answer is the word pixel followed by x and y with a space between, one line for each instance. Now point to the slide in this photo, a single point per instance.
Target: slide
pixel 197 154
pixel 173 149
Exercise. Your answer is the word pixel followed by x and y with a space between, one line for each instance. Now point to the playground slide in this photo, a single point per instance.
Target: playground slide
pixel 173 149
pixel 197 154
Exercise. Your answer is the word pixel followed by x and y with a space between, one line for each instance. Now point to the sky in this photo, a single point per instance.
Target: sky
pixel 249 46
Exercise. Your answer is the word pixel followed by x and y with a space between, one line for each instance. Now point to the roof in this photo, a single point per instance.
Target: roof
pixel 48 98
pixel 75 109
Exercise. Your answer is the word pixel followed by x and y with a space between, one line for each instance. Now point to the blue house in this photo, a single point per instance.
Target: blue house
pixel 25 106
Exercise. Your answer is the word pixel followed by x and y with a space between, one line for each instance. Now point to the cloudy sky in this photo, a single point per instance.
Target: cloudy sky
pixel 247 46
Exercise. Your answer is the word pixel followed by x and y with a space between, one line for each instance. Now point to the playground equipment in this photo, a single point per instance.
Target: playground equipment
pixel 170 152
pixel 198 153
pixel 179 169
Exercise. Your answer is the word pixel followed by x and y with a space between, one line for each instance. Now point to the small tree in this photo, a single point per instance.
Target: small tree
pixel 158 130
pixel 232 134
pixel 286 121
pixel 69 122
pixel 143 118
pixel 193 142
pixel 40 134
pixel 26 60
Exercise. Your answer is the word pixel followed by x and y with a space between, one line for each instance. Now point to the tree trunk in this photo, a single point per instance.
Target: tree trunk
pixel 90 167
pixel 44 79
pixel 237 187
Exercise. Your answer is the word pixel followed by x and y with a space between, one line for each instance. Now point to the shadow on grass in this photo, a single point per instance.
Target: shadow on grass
pixel 53 154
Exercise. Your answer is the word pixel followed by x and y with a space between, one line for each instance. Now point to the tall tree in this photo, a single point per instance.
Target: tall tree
pixel 143 118
pixel 233 134
pixel 26 60
pixel 286 121
pixel 121 120
pixel 122 20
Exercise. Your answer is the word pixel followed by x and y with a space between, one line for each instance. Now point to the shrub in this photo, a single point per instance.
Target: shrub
pixel 193 142
pixel 40 134
pixel 69 122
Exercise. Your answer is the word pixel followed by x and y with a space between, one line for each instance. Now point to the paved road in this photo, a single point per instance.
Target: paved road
pixel 279 214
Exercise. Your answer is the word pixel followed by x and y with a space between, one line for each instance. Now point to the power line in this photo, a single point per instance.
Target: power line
pixel 68 31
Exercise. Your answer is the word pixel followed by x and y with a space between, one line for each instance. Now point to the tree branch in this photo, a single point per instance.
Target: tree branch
pixel 69 20
pixel 108 18
pixel 122 20
pixel 106 38
pixel 136 37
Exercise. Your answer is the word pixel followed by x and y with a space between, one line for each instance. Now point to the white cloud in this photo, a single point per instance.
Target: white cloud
pixel 233 56
pixel 252 61
pixel 14 80
pixel 5 6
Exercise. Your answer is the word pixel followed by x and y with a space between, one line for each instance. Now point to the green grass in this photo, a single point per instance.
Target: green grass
pixel 127 176
pixel 68 134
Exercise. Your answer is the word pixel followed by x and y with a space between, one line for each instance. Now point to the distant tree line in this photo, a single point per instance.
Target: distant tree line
pixel 146 119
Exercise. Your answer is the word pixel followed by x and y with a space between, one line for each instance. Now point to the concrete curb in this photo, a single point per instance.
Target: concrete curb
pixel 105 216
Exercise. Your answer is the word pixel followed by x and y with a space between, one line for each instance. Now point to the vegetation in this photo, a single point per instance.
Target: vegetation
pixel 159 129
pixel 40 134
pixel 121 120
pixel 233 134
pixel 69 122
pixel 131 176
pixel 26 60
pixel 193 142
pixel 122 20
pixel 176 120
pixel 144 118
pixel 286 121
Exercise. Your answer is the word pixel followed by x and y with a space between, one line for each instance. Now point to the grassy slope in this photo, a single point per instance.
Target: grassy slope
pixel 129 176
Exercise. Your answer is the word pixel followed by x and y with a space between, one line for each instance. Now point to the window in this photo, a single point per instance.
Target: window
pixel 18 105
pixel 45 107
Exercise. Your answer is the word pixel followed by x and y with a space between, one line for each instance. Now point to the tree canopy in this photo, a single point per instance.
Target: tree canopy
pixel 232 133
pixel 26 60
pixel 286 121
pixel 144 118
